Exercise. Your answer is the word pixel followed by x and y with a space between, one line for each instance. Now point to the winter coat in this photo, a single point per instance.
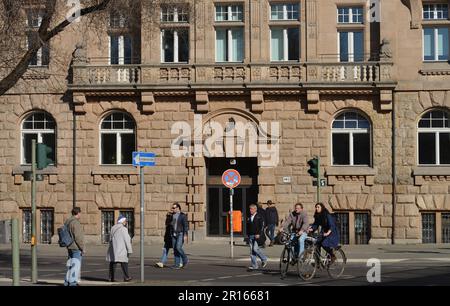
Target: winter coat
pixel 119 244
pixel 272 216
pixel 76 231
pixel 182 225
pixel 299 222
pixel 327 222
pixel 168 233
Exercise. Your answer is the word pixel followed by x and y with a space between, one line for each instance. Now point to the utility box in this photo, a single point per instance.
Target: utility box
pixel 5 232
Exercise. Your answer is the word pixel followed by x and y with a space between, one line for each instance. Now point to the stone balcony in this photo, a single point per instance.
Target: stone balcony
pixel 364 75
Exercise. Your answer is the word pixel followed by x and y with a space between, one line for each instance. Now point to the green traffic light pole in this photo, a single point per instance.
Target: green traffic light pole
pixel 318 179
pixel 34 274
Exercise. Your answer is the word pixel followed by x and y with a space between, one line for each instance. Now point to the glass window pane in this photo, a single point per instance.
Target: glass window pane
pixel 128 147
pixel 27 138
pixel 168 45
pixel 443 44
pixel 128 49
pixel 341 149
pixel 361 149
pixel 293 44
pixel 221 45
pixel 238 45
pixel 343 46
pixel 129 214
pixel 428 44
pixel 358 46
pixel 114 50
pixel 427 148
pixel 109 149
pixel 338 124
pixel 183 46
pixel 277 45
pixel 49 140
pixel 444 148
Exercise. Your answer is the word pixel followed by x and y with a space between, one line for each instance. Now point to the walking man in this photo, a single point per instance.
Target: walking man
pixel 272 221
pixel 179 230
pixel 76 249
pixel 298 222
pixel 119 249
pixel 255 229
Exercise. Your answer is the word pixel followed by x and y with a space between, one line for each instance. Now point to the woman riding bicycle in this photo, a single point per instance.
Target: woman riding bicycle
pixel 329 235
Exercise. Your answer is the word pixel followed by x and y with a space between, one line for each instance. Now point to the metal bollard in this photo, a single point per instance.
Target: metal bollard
pixel 15 251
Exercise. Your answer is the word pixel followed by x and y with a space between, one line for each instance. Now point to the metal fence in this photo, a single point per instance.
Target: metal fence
pixel 428 228
pixel 129 214
pixel 362 228
pixel 446 228
pixel 343 226
pixel 26 226
pixel 107 224
pixel 47 226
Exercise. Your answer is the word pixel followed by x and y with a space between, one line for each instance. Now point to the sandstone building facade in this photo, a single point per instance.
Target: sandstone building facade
pixel 364 85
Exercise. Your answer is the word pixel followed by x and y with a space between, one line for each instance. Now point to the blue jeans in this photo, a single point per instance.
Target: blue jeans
pixel 255 251
pixel 301 244
pixel 73 277
pixel 271 228
pixel 180 256
pixel 165 254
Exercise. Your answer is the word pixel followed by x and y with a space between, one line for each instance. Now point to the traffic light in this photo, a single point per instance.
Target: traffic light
pixel 314 167
pixel 43 156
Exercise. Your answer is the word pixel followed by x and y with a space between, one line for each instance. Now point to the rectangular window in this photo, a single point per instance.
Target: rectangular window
pixel 120 49
pixel 444 148
pixel 435 44
pixel 445 217
pixel 284 12
pixel 42 56
pixel 362 228
pixel 47 226
pixel 175 46
pixel 435 11
pixel 34 18
pixel 341 149
pixel 229 13
pixel 129 214
pixel 26 226
pixel 351 46
pixel 174 14
pixel 428 228
pixel 27 139
pixel 107 224
pixel 350 15
pixel 427 148
pixel 47 138
pixel 361 149
pixel 230 45
pixel 285 44
pixel 128 147
pixel 342 222
pixel 109 149
pixel 117 20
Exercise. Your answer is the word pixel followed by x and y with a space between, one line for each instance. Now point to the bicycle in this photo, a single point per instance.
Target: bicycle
pixel 288 255
pixel 314 259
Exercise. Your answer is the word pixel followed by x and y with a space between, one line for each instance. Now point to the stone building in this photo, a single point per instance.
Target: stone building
pixel 364 85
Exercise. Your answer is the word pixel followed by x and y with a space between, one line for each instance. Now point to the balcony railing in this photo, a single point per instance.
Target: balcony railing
pixel 365 73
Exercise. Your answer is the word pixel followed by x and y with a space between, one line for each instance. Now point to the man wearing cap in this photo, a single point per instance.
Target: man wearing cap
pixel 272 220
pixel 119 248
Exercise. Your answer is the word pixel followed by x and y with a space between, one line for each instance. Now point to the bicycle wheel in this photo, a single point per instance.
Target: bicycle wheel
pixel 336 267
pixel 306 266
pixel 284 262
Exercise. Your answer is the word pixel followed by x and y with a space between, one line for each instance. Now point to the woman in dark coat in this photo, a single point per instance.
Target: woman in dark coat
pixel 167 240
pixel 328 229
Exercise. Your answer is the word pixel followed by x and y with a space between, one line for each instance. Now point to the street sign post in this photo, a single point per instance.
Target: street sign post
pixel 231 179
pixel 141 160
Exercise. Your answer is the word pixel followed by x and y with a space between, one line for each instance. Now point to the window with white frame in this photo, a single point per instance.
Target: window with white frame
pixel 284 11
pixel 351 46
pixel 41 127
pixel 351 140
pixel 121 49
pixel 285 44
pixel 117 20
pixel 350 14
pixel 435 11
pixel 42 56
pixel 229 13
pixel 174 45
pixel 229 44
pixel 435 44
pixel 117 139
pixel 174 14
pixel 434 138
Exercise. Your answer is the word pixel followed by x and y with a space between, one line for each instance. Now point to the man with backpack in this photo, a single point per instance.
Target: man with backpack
pixel 71 236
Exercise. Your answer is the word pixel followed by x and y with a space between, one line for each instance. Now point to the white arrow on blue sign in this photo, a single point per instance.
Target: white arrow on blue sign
pixel 144 159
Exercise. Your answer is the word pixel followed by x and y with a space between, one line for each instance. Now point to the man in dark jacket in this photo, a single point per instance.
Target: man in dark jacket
pixel 76 249
pixel 179 228
pixel 167 239
pixel 262 212
pixel 272 220
pixel 255 229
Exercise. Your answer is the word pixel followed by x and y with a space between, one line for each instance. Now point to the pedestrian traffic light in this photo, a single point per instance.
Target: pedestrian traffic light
pixel 43 156
pixel 314 167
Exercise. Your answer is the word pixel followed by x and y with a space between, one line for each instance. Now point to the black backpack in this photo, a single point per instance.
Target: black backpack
pixel 65 237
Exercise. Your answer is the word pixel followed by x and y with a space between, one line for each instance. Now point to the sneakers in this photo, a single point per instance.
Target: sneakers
pixel 264 264
pixel 252 268
pixel 159 265
pixel 126 280
pixel 178 267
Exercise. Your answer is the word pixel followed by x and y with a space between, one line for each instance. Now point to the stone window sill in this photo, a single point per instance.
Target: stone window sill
pixel 431 174
pixel 345 174
pixel 51 173
pixel 115 173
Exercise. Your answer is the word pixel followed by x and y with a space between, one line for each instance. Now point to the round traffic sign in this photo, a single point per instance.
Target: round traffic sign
pixel 231 178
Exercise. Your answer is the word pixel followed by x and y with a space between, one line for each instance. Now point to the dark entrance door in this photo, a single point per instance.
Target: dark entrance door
pixel 218 196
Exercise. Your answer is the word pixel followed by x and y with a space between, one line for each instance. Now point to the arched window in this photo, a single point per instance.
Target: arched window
pixel 351 141
pixel 41 127
pixel 434 138
pixel 117 139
